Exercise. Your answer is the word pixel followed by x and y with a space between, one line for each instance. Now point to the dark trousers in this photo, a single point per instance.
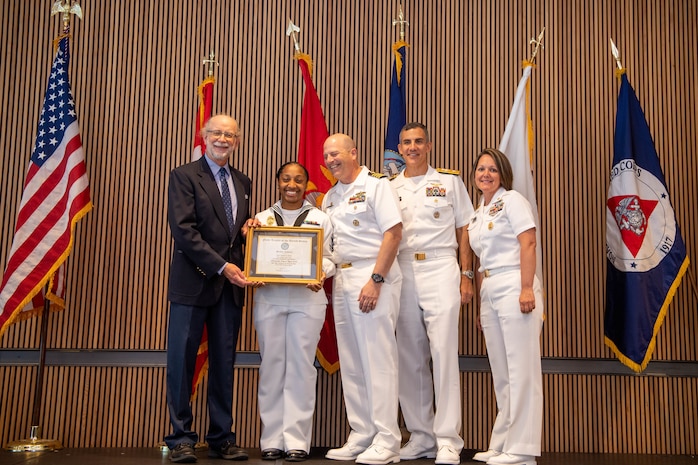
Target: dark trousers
pixel 184 336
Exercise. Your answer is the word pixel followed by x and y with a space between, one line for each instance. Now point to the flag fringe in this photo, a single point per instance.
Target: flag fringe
pixel 197 381
pixel 398 58
pixel 529 121
pixel 309 61
pixel 200 91
pixel 17 314
pixel 330 368
pixel 640 367
pixel 57 41
pixel 56 301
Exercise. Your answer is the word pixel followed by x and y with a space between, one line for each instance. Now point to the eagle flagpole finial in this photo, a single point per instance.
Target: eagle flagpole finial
pixel 67 7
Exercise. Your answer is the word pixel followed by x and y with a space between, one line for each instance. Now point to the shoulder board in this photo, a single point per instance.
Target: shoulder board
pixel 377 175
pixel 394 176
pixel 445 171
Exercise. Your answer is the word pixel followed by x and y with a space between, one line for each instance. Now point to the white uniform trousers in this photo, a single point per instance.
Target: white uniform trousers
pixel 288 337
pixel 513 349
pixel 368 355
pixel 427 329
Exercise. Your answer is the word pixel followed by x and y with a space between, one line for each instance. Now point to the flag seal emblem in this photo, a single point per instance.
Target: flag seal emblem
pixel 642 228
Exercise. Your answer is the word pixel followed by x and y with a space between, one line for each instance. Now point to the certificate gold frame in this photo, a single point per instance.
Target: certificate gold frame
pixel 284 254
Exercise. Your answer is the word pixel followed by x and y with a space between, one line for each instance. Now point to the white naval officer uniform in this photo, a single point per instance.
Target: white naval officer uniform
pixel 361 212
pixel 512 337
pixel 432 207
pixel 288 319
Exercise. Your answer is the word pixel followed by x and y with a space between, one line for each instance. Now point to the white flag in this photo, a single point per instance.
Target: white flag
pixel 517 145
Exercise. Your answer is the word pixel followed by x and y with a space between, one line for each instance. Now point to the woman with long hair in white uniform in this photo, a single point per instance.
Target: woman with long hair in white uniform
pixel 288 319
pixel 502 233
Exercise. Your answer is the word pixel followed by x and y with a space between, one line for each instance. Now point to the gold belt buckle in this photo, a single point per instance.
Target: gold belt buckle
pixel 486 273
pixel 345 265
pixel 420 256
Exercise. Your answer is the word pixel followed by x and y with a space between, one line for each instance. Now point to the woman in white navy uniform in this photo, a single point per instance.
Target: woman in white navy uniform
pixel 502 234
pixel 288 319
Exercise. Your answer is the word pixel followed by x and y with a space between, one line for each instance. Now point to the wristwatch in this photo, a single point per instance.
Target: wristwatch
pixel 377 278
pixel 468 274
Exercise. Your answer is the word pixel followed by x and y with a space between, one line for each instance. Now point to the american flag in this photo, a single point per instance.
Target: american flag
pixel 56 195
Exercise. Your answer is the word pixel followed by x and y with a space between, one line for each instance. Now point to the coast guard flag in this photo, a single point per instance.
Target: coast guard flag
pixel 517 145
pixel 313 133
pixel 393 162
pixel 205 91
pixel 56 195
pixel 646 256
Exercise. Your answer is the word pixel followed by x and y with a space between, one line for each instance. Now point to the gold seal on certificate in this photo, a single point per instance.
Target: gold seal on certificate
pixel 284 255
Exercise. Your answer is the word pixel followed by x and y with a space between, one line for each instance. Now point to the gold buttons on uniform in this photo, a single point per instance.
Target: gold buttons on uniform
pixel 436 214
pixel 490 226
pixel 355 222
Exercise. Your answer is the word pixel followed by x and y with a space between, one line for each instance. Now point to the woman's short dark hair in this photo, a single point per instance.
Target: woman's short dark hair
pixel 506 175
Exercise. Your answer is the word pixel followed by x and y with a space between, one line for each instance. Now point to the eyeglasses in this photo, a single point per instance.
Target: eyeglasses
pixel 217 134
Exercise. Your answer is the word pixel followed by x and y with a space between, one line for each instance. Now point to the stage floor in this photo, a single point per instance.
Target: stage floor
pixel 152 456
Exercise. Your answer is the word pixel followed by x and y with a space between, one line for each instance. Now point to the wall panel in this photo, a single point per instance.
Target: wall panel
pixel 135 67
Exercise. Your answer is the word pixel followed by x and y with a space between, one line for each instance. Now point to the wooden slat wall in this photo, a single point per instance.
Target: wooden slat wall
pixel 134 71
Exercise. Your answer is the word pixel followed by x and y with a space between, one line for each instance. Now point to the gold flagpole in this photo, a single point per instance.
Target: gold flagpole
pixel 35 443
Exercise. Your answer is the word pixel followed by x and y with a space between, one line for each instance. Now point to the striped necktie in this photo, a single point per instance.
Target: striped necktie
pixel 225 194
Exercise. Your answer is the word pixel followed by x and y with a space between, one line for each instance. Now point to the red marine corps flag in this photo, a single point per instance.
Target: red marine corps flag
pixel 205 92
pixel 646 256
pixel 313 133
pixel 56 195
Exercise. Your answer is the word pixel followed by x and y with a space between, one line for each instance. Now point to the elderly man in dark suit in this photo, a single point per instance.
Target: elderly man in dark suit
pixel 208 214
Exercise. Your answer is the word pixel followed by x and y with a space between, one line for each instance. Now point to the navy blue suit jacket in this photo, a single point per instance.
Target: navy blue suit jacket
pixel 202 241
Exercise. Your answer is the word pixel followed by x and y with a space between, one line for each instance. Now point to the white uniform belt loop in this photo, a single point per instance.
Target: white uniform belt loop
pixel 501 269
pixel 427 254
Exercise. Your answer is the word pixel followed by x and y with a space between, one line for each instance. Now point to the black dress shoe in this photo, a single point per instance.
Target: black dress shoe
pixel 183 453
pixel 228 450
pixel 272 454
pixel 296 455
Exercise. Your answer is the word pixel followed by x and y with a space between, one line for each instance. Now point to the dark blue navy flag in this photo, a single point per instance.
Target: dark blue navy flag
pixel 646 256
pixel 392 161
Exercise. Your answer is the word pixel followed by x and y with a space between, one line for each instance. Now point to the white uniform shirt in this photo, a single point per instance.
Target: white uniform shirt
pixel 276 293
pixel 432 209
pixel 494 228
pixel 361 212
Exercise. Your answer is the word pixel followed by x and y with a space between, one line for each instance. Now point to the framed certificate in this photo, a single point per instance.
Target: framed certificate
pixel 286 254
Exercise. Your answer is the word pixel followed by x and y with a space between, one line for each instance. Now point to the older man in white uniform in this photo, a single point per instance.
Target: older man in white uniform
pixel 435 209
pixel 367 225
